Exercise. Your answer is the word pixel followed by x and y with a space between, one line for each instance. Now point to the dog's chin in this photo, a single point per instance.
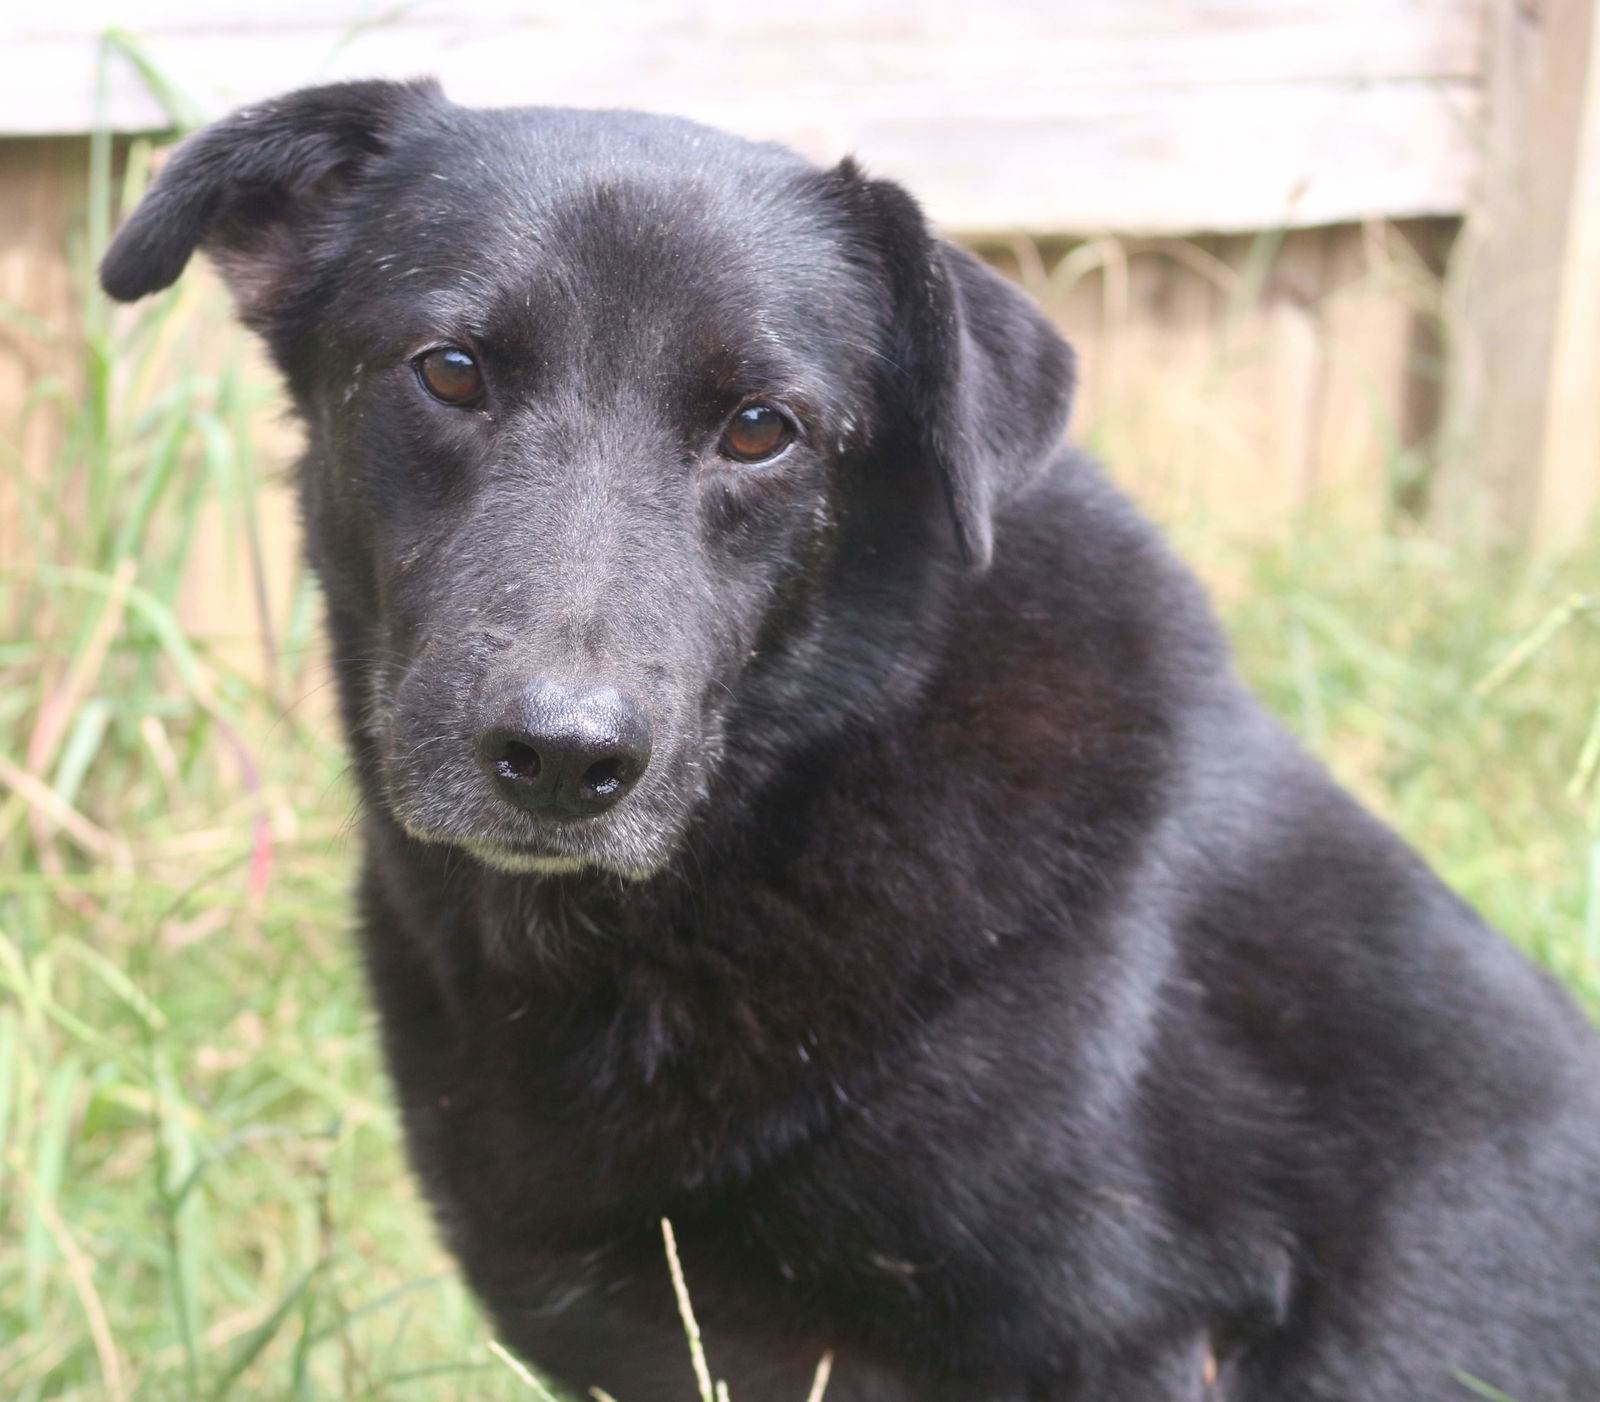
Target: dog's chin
pixel 632 855
pixel 524 861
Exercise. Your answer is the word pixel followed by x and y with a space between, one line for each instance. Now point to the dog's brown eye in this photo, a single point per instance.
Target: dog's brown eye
pixel 757 432
pixel 450 374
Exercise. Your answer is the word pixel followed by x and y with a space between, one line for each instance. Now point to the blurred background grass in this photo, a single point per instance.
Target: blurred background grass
pixel 201 1191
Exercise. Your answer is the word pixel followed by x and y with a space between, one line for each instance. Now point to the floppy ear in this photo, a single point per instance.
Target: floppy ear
pixel 980 381
pixel 249 190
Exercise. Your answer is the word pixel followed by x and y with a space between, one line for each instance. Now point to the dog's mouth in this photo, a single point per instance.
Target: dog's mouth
pixel 521 859
pixel 451 802
pixel 632 844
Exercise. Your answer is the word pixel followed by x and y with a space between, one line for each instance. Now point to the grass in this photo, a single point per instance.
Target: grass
pixel 201 1191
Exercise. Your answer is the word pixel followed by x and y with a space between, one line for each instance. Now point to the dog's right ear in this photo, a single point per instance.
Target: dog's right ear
pixel 249 191
pixel 977 379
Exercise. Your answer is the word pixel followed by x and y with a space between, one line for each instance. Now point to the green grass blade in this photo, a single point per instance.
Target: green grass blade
pixel 253 1344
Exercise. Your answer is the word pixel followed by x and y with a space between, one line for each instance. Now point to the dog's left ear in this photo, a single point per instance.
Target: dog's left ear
pixel 980 383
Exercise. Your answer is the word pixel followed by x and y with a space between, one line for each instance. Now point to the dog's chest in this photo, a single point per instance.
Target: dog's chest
pixel 553 1140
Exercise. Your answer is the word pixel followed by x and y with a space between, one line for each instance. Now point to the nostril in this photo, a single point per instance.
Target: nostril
pixel 518 762
pixel 606 777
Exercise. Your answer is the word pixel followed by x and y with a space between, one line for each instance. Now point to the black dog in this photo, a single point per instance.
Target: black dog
pixel 806 803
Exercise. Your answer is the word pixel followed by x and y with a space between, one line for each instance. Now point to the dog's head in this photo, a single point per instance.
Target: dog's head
pixel 619 430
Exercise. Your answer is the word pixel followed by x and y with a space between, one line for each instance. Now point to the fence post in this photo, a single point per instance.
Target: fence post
pixel 1521 457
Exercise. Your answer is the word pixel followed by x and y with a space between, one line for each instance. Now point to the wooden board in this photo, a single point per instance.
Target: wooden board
pixel 1524 419
pixel 42 184
pixel 1235 382
pixel 1569 462
pixel 1136 115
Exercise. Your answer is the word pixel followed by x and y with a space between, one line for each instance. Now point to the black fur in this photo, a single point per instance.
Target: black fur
pixel 986 989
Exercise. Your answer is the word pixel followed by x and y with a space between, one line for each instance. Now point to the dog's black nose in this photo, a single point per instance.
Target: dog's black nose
pixel 561 751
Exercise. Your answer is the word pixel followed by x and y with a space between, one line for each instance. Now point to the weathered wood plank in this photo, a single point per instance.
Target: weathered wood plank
pixel 1525 394
pixel 42 183
pixel 613 45
pixel 1128 114
pixel 1235 382
pixel 1569 466
pixel 1149 161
